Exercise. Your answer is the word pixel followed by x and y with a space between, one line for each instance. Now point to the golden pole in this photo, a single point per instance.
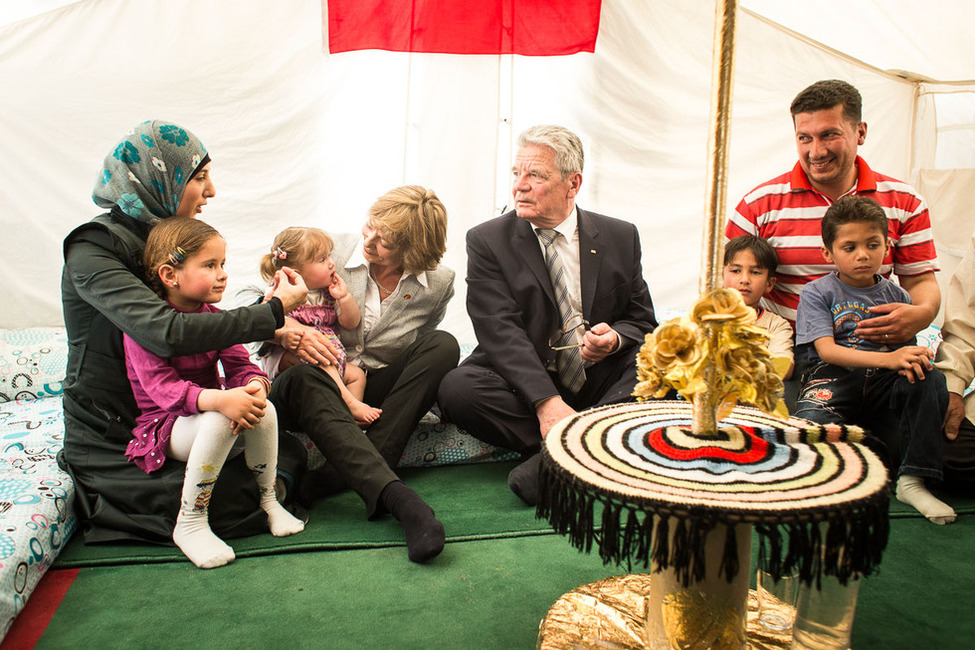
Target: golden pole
pixel 704 419
pixel 722 86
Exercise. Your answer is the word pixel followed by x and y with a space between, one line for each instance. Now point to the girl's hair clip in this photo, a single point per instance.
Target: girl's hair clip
pixel 278 253
pixel 177 256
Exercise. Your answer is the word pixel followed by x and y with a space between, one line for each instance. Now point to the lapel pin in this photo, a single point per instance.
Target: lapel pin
pixel 407 296
pixel 592 250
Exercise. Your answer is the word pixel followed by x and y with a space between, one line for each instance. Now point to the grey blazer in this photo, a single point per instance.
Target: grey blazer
pixel 415 309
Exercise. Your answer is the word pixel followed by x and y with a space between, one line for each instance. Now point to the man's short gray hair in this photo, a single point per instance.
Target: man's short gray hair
pixel 566 145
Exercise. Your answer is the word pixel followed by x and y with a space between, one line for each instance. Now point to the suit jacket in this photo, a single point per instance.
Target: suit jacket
pixel 417 309
pixel 512 305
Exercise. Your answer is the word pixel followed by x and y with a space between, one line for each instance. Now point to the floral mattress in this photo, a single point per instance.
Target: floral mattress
pixel 36 497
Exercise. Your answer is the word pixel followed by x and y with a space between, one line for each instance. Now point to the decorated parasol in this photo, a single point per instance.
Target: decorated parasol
pixel 816 496
pixel 680 486
pixel 635 483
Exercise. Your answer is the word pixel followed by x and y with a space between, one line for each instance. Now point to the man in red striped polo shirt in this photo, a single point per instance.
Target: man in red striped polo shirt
pixel 787 211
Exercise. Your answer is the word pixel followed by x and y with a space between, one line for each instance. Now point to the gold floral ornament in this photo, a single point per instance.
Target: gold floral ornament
pixel 714 358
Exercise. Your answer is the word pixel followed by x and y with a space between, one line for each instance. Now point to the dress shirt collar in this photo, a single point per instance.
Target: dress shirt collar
pixel 568 227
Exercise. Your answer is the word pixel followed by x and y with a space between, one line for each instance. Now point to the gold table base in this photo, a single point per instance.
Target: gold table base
pixel 611 613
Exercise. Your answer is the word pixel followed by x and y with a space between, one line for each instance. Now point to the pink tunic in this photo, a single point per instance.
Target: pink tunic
pixel 166 389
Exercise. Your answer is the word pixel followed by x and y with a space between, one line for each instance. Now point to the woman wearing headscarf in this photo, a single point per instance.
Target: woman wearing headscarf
pixel 160 170
pixel 157 171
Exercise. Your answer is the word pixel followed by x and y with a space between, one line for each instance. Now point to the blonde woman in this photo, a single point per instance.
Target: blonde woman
pixel 394 274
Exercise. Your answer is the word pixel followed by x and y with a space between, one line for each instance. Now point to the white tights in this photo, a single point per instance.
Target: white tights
pixel 203 441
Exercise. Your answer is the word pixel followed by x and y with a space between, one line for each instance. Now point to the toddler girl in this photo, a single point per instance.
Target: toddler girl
pixel 309 252
pixel 186 413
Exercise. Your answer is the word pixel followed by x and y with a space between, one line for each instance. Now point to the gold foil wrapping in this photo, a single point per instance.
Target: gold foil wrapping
pixel 714 358
pixel 695 620
pixel 611 614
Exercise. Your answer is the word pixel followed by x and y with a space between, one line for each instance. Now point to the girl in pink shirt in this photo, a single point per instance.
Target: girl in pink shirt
pixel 188 412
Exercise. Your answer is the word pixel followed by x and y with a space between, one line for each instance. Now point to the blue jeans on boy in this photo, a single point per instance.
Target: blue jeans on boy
pixel 870 397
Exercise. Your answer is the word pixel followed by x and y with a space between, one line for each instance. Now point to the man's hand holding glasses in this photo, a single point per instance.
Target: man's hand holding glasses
pixel 598 341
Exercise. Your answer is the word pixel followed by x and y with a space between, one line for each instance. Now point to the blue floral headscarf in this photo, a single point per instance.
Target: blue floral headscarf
pixel 145 175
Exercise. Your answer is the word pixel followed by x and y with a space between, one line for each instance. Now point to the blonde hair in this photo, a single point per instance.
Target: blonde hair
pixel 414 221
pixel 170 243
pixel 295 247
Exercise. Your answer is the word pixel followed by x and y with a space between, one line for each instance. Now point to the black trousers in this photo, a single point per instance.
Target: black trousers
pixel 959 457
pixel 308 400
pixel 480 402
pixel 406 389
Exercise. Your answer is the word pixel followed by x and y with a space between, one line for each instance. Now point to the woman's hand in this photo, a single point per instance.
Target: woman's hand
pixel 315 348
pixel 954 416
pixel 289 288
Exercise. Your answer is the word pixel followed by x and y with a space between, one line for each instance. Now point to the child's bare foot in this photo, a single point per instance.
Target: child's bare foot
pixel 362 412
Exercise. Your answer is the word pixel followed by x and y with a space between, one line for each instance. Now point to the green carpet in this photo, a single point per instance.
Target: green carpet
pixel 921 597
pixel 473 501
pixel 482 594
pixel 348 584
pixel 478 594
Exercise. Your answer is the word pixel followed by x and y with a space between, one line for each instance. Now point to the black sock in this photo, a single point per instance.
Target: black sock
pixel 424 534
pixel 523 480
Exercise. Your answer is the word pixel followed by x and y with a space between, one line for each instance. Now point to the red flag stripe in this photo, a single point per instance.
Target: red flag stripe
pixel 528 27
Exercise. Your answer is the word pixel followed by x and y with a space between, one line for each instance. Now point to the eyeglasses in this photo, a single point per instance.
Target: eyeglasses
pixel 570 326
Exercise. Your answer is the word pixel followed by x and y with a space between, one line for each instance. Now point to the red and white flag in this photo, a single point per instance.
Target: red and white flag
pixel 527 27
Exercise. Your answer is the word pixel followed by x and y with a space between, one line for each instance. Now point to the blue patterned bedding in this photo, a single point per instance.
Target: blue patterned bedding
pixel 36 497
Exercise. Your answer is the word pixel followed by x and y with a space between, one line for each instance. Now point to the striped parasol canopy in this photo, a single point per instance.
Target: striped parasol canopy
pixel 815 494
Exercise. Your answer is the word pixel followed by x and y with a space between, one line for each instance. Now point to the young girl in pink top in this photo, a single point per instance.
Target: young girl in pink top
pixel 188 412
pixel 309 252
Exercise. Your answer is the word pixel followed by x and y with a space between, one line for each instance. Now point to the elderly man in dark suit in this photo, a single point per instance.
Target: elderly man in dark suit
pixel 559 305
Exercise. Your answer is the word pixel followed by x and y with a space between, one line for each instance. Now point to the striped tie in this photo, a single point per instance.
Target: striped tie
pixel 568 362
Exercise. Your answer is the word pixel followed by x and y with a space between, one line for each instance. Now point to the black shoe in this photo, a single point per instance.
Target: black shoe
pixel 523 480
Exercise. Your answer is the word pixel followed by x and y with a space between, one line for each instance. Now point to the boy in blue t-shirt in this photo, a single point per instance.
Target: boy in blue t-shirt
pixel 858 381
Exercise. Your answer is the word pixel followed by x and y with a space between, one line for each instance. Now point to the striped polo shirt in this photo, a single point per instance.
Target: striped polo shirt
pixel 787 212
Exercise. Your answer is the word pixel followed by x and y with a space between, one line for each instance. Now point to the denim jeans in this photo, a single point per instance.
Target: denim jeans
pixel 868 397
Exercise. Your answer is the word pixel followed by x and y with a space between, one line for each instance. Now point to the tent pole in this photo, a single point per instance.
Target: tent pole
pixel 722 87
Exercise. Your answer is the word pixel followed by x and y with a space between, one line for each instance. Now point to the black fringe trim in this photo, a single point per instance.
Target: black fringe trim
pixel 846 541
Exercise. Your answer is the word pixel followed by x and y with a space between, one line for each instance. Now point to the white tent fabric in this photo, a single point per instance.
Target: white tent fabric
pixel 301 137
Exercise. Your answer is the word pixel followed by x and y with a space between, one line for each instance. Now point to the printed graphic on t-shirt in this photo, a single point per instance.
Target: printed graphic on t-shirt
pixel 846 316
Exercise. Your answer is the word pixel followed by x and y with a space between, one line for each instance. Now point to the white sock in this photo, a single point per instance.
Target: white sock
pixel 192 533
pixel 281 522
pixel 912 491
pixel 261 453
pixel 194 537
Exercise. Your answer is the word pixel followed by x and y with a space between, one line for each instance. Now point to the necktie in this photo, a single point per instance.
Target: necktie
pixel 568 362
